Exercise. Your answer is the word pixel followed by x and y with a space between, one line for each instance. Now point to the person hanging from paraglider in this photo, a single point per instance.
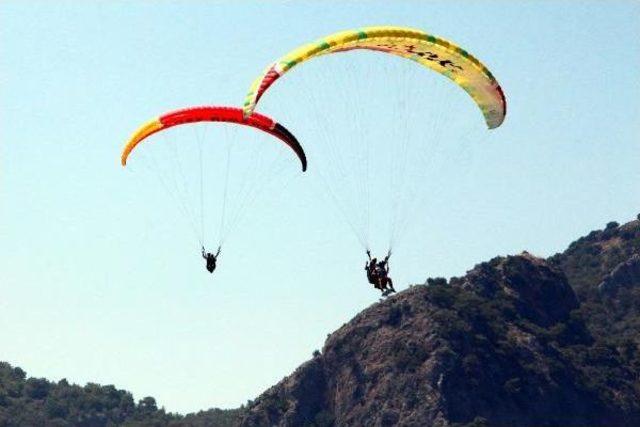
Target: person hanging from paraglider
pixel 370 268
pixel 382 271
pixel 211 259
pixel 378 273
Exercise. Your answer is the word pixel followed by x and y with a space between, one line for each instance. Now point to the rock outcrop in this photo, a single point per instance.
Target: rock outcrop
pixel 624 275
pixel 503 345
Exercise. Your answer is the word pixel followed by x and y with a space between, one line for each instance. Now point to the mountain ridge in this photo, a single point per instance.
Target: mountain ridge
pixel 517 340
pixel 509 343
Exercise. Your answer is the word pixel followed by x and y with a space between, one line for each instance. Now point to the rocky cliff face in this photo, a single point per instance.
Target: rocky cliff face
pixel 624 275
pixel 604 270
pixel 504 345
pixel 589 260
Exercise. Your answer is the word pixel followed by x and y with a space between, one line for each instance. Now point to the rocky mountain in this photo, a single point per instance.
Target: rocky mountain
pixel 518 340
pixel 604 270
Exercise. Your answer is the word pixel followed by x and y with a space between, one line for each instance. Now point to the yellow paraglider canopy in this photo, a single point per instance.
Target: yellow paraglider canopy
pixel 433 52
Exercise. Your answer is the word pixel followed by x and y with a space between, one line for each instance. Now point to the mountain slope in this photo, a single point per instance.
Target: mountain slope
pixel 518 340
pixel 604 269
pixel 38 402
pixel 507 344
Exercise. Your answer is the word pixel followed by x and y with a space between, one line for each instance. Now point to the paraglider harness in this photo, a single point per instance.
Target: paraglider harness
pixel 378 273
pixel 211 259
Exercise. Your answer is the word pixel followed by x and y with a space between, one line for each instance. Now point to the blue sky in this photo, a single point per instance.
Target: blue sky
pixel 101 279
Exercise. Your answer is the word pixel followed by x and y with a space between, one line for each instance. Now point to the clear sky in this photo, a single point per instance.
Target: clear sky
pixel 100 277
